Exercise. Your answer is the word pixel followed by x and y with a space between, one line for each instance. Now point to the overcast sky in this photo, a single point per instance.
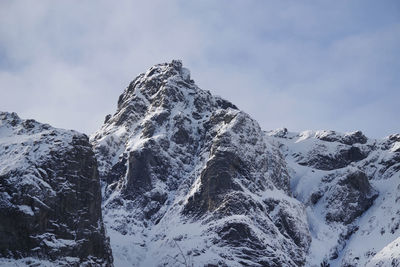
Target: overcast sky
pixel 295 64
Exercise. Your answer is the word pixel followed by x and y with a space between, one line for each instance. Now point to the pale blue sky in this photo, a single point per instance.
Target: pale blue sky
pixel 295 64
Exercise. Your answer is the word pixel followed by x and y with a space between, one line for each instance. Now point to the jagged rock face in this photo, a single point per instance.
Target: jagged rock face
pixel 335 152
pixel 349 198
pixel 351 188
pixel 50 200
pixel 348 139
pixel 186 171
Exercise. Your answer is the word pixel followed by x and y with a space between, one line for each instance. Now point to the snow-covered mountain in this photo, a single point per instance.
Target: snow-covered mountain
pixel 50 199
pixel 190 178
pixel 187 179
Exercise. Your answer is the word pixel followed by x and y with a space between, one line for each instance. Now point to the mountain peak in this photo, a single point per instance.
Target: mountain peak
pixel 164 89
pixel 173 151
pixel 162 80
pixel 164 71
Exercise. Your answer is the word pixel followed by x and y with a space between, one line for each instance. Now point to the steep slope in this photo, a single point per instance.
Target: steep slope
pixel 190 179
pixel 50 199
pixel 351 187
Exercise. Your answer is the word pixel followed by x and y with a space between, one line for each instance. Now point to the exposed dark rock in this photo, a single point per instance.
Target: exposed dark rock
pixel 162 117
pixel 107 118
pixel 350 198
pixel 117 171
pixel 216 182
pixel 224 104
pixel 329 136
pixel 315 197
pixel 348 139
pixel 352 154
pixel 342 157
pixel 138 174
pixel 282 133
pixel 355 138
pixel 240 235
pixel 394 138
pixel 390 165
pixel 148 129
pixel 290 225
pixel 181 136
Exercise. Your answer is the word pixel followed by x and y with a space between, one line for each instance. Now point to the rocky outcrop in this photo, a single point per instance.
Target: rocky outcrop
pixel 356 137
pixel 350 197
pixel 50 200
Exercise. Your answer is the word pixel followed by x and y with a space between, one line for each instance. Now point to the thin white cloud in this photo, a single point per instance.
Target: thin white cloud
pixel 294 64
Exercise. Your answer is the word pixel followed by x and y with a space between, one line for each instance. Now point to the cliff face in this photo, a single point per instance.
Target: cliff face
pixel 50 199
pixel 188 176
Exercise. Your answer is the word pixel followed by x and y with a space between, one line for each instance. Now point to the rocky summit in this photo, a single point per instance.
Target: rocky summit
pixel 184 178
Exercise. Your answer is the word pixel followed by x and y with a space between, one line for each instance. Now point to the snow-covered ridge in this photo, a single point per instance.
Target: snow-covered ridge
pixel 18 136
pixel 350 186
